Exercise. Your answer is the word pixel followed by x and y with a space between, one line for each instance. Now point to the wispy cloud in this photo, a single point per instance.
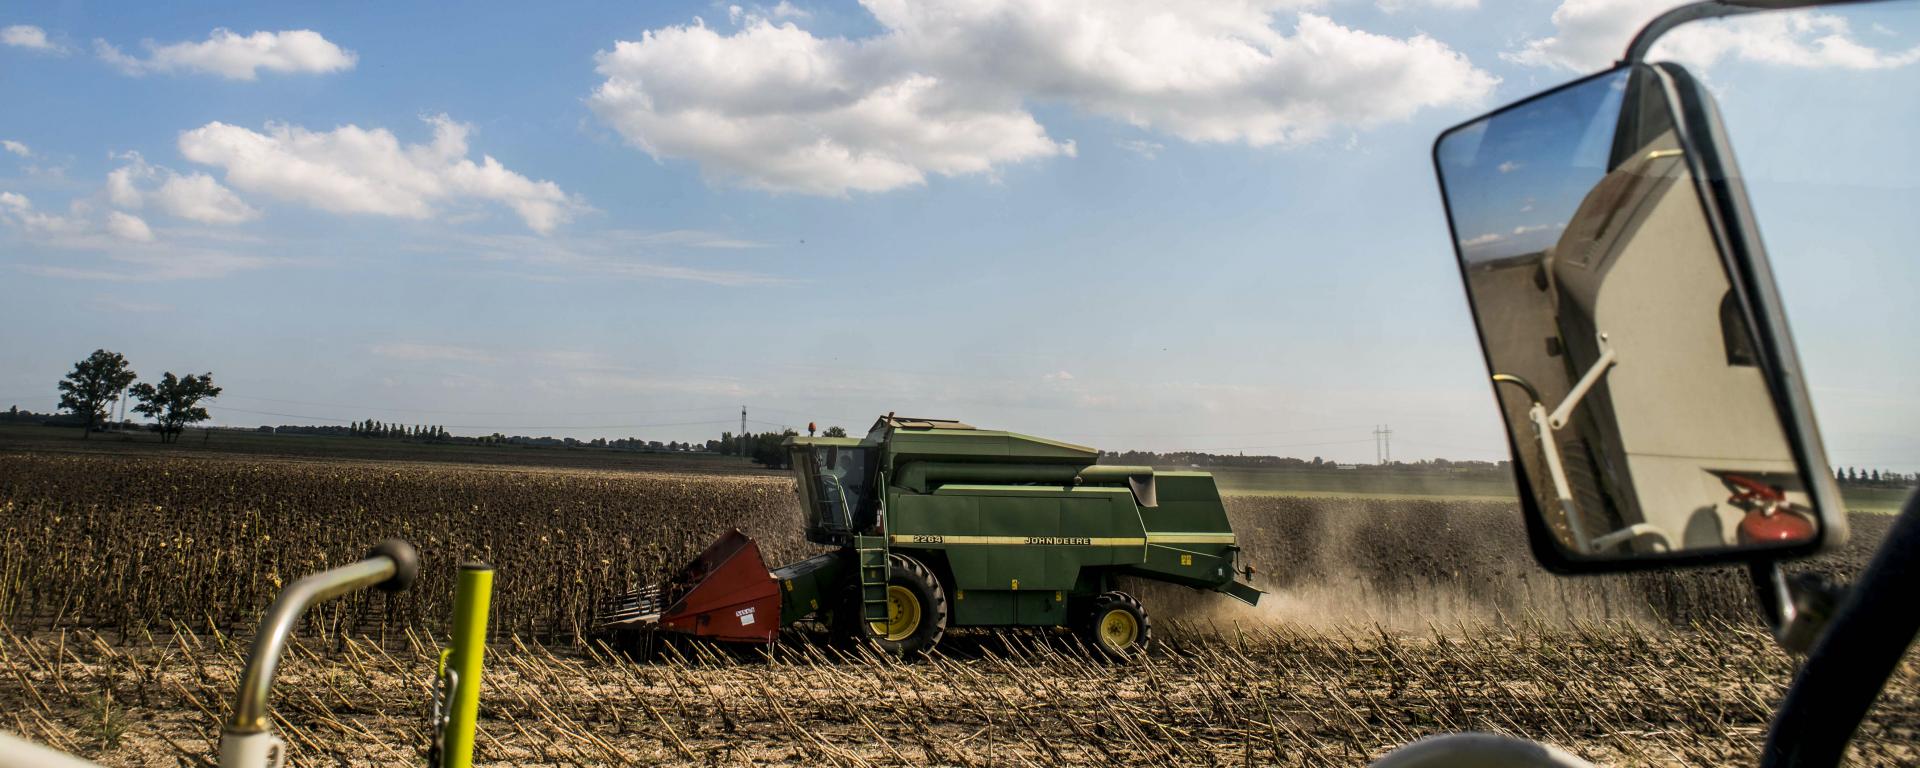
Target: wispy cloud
pixel 117 304
pixel 138 263
pixel 16 148
pixel 437 353
pixel 31 38
pixel 617 254
pixel 1142 147
pixel 121 246
pixel 691 238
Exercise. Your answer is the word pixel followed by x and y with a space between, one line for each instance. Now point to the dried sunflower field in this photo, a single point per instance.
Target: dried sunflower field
pixel 128 588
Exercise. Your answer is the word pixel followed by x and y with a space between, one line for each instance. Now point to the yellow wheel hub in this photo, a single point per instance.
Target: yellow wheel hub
pixel 1118 630
pixel 903 615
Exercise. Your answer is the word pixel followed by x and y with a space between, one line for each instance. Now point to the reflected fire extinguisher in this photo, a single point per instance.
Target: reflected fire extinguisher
pixel 1770 517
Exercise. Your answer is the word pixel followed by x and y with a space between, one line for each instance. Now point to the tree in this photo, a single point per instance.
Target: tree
pixel 175 402
pixel 93 385
pixel 766 449
pixel 835 432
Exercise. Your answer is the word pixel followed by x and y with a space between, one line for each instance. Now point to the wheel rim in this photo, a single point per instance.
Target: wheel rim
pixel 1118 630
pixel 903 615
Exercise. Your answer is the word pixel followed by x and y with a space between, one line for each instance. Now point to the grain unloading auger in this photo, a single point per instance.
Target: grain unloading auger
pixel 936 524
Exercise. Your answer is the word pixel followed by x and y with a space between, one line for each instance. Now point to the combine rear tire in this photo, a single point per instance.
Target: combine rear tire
pixel 916 610
pixel 1116 626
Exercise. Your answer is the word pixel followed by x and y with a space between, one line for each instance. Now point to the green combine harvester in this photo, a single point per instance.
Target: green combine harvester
pixel 936 524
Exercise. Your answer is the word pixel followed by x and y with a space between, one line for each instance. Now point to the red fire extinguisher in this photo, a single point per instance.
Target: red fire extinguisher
pixel 1770 517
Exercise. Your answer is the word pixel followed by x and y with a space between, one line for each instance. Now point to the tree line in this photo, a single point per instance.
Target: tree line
pixel 373 428
pixel 1872 477
pixel 100 380
pixel 1228 461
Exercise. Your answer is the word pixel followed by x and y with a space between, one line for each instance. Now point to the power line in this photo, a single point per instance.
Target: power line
pixel 492 427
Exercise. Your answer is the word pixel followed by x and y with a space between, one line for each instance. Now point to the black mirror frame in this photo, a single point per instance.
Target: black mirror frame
pixel 1724 202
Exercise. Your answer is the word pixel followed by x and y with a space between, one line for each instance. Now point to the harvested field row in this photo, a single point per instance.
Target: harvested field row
pixel 1617 694
pixel 133 543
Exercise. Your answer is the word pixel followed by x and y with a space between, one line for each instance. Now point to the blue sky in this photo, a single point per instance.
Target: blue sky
pixel 1094 221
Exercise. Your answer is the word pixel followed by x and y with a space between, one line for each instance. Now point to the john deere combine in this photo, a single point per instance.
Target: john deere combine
pixel 937 524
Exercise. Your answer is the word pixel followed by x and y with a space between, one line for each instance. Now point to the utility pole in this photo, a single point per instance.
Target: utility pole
pixel 1382 444
pixel 743 430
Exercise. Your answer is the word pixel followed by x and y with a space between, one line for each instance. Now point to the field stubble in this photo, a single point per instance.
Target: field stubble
pixel 1388 620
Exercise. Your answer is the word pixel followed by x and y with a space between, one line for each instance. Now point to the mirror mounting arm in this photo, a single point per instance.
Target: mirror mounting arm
pixel 1708 9
pixel 1796 609
pixel 1608 358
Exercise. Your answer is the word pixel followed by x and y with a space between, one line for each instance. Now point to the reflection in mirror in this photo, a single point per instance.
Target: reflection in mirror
pixel 1621 349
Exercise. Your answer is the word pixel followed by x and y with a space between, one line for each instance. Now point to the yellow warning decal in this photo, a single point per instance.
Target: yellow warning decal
pixel 1190 538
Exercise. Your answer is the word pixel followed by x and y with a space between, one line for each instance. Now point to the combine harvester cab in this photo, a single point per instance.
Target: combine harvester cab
pixel 935 524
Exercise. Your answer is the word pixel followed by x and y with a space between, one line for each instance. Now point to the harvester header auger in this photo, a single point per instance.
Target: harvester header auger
pixel 937 524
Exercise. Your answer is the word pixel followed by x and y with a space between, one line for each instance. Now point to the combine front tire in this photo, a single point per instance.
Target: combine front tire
pixel 916 610
pixel 1116 626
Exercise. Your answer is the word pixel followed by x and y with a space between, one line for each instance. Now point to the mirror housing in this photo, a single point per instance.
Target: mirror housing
pixel 1635 338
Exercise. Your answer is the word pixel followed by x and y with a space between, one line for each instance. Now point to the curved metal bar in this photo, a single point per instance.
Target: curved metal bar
pixel 1632 532
pixel 1508 378
pixel 1709 9
pixel 1664 23
pixel 250 711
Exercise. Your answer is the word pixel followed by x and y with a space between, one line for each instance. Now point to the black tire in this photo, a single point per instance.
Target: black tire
pixel 911 581
pixel 1101 627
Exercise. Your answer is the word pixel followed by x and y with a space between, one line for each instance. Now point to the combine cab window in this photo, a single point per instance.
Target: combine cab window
pixel 835 481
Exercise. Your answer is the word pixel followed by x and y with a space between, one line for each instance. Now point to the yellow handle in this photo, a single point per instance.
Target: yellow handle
pixel 471 597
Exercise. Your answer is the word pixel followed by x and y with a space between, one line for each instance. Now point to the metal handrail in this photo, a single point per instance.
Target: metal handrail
pixel 391 565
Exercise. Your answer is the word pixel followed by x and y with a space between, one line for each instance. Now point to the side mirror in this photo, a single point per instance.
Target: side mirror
pixel 1632 331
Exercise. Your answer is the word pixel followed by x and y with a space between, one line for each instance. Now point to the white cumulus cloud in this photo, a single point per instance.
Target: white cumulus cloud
pixel 127 226
pixel 31 38
pixel 195 196
pixel 16 148
pixel 359 170
pixel 1591 34
pixel 235 56
pixel 198 197
pixel 945 87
